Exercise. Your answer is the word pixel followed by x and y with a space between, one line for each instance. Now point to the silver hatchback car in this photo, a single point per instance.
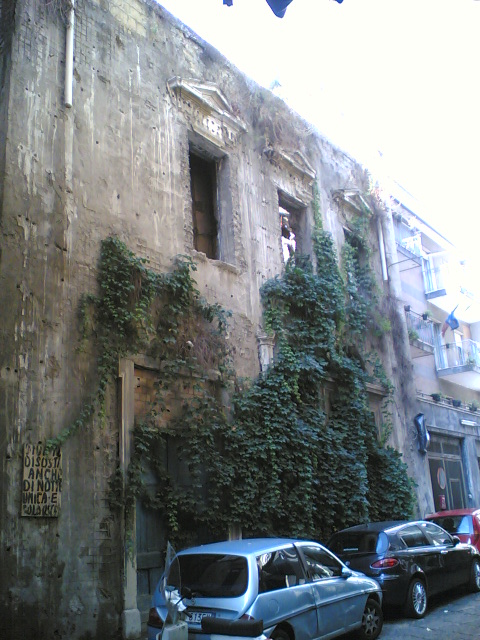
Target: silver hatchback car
pixel 298 588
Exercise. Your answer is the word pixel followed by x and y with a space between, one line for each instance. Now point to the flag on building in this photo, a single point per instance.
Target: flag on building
pixel 451 322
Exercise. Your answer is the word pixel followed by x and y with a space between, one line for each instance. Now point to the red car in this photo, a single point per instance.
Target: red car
pixel 464 523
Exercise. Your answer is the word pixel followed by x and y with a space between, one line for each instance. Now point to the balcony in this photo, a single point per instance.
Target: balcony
pixel 460 363
pixel 420 334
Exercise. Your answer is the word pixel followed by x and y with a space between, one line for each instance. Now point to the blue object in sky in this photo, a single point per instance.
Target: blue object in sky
pixel 279 6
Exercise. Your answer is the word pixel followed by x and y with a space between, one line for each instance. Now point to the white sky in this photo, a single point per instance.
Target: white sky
pixel 397 76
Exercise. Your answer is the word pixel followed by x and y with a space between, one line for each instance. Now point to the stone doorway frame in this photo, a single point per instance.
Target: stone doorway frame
pixel 131 619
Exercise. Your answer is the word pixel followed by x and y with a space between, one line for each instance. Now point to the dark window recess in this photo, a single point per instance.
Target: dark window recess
pixel 203 181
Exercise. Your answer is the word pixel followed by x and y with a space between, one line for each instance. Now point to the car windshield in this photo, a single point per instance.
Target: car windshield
pixel 214 575
pixel 455 524
pixel 358 542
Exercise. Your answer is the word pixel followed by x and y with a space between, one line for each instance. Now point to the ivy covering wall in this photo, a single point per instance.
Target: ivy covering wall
pixel 294 452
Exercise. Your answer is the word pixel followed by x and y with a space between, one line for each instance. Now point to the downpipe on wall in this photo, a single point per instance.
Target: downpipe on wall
pixel 381 246
pixel 70 34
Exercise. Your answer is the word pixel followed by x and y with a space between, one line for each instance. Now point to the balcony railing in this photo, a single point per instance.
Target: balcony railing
pixel 419 328
pixel 461 354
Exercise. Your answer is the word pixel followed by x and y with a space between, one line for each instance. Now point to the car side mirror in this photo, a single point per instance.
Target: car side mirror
pixel 456 540
pixel 346 573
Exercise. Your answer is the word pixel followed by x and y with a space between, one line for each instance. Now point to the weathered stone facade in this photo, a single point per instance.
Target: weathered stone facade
pixel 146 92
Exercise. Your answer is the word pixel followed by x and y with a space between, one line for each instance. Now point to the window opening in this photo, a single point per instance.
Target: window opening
pixel 440 349
pixel 292 222
pixel 288 237
pixel 459 357
pixel 376 419
pixel 203 183
pixel 434 269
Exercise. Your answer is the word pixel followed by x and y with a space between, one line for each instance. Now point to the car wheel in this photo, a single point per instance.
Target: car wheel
pixel 372 621
pixel 475 576
pixel 416 604
pixel 280 634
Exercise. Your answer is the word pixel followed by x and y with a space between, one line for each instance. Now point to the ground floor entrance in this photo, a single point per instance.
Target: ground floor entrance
pixel 447 473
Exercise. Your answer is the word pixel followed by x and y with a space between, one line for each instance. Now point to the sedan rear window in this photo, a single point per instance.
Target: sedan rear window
pixel 358 542
pixel 214 575
pixel 455 524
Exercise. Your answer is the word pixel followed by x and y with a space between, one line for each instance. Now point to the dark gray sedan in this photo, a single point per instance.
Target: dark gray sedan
pixel 299 589
pixel 410 560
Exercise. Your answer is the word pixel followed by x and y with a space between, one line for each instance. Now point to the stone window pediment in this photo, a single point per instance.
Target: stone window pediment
pixel 353 199
pixel 207 110
pixel 296 166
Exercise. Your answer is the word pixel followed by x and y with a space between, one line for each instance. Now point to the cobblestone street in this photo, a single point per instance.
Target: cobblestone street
pixel 449 617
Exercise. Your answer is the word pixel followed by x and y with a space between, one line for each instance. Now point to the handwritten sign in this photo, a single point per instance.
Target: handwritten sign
pixel 42 481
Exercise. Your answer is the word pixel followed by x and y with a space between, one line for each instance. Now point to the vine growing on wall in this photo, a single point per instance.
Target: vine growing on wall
pixel 293 452
pixel 321 466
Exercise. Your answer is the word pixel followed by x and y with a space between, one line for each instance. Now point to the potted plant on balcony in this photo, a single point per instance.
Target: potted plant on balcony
pixel 412 335
pixel 426 314
pixel 457 403
pixel 473 406
pixel 436 396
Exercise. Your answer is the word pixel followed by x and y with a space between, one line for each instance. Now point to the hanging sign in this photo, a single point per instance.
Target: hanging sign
pixel 42 481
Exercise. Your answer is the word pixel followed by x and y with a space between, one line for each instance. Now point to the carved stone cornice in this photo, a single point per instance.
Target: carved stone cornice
pixel 207 110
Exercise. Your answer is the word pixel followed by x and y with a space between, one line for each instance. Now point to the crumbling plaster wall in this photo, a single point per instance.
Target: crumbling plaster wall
pixel 115 163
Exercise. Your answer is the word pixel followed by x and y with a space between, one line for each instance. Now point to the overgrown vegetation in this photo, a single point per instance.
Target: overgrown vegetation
pixel 294 452
pixel 318 462
pixel 60 8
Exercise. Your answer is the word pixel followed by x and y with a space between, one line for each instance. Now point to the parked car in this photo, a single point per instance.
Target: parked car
pixel 464 523
pixel 410 560
pixel 299 589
